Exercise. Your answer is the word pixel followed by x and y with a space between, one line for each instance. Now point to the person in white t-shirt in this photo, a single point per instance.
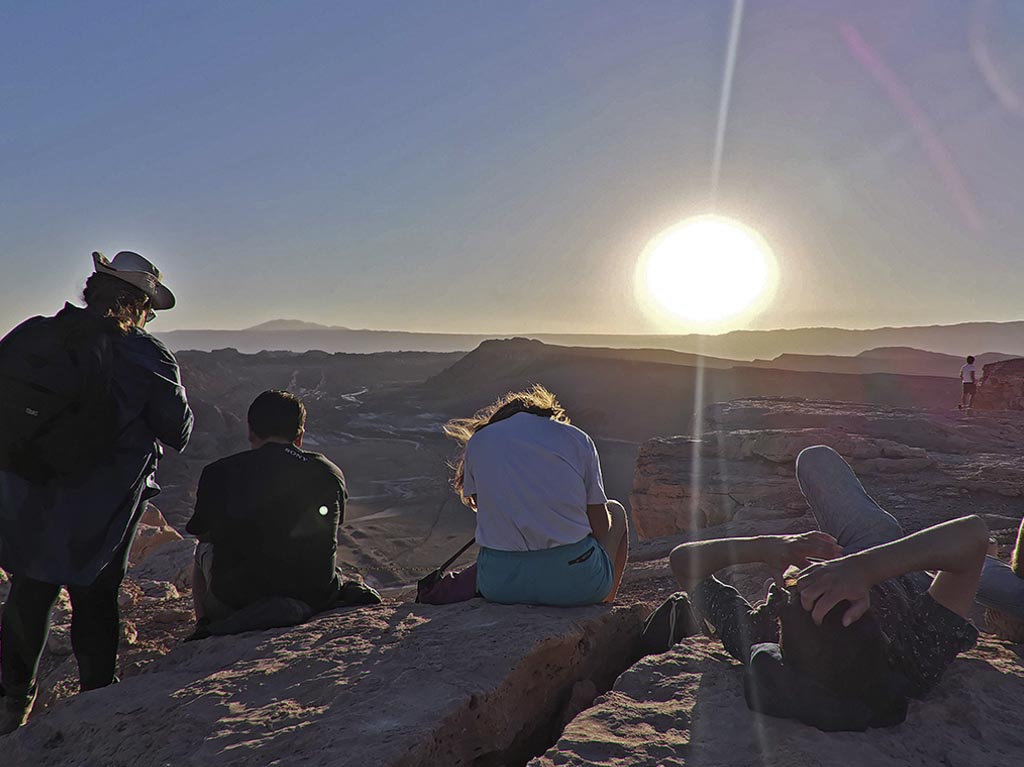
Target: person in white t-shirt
pixel 969 379
pixel 547 532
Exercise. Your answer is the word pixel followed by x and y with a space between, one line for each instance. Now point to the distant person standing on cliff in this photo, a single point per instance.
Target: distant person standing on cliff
pixel 969 381
pixel 547 533
pixel 84 398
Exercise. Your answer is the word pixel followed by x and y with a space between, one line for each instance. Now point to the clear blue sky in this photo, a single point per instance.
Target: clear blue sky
pixel 497 167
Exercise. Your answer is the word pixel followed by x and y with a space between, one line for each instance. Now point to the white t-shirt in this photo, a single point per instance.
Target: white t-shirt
pixel 965 373
pixel 533 479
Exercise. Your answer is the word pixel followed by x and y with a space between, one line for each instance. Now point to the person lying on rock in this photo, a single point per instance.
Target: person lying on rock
pixel 844 643
pixel 75 476
pixel 548 535
pixel 267 521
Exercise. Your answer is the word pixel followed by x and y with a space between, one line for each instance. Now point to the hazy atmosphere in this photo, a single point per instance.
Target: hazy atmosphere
pixel 512 383
pixel 500 168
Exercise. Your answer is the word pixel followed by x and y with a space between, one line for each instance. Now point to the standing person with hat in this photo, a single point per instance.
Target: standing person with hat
pixel 85 399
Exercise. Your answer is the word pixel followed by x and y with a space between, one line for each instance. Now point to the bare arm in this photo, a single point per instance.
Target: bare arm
pixel 956 549
pixel 600 522
pixel 693 562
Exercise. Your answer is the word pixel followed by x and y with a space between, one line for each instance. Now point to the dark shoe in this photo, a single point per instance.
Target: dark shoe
pixel 671 622
pixel 357 593
pixel 14 710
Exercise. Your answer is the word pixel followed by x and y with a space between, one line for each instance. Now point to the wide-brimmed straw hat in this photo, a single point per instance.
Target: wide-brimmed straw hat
pixel 137 271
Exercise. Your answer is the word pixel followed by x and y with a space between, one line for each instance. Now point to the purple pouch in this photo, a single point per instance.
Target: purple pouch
pixel 446 588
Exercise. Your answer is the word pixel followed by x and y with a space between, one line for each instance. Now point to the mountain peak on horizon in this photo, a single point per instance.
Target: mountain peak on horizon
pixel 286 324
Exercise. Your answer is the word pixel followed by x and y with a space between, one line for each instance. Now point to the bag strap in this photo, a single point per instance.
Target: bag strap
pixel 456 555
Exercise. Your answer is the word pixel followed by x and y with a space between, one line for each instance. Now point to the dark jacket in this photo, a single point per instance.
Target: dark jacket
pixel 69 535
pixel 272 515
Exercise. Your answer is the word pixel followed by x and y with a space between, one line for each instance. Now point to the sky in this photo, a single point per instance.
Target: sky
pixel 499 167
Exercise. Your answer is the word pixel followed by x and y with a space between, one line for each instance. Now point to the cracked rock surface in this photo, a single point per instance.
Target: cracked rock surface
pixel 402 684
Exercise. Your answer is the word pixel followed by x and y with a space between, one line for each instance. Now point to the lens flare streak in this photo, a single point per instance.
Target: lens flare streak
pixel 940 157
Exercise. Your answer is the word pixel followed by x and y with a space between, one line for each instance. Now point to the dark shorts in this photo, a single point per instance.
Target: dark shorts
pixel 212 607
pixel 969 388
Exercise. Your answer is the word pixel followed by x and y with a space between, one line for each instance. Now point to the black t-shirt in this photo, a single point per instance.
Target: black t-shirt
pixel 924 637
pixel 272 515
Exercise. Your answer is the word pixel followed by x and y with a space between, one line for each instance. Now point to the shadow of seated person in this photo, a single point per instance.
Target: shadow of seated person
pixel 267 521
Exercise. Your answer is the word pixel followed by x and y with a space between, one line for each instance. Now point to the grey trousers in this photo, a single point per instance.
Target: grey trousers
pixel 842 508
pixel 1001 588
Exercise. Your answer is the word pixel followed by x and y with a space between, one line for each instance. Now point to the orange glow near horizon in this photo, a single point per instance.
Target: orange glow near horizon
pixel 710 273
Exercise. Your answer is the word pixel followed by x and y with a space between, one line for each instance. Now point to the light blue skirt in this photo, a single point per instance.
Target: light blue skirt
pixel 566 576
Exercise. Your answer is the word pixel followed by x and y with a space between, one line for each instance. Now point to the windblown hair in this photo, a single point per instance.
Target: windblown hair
pixel 536 400
pixel 108 296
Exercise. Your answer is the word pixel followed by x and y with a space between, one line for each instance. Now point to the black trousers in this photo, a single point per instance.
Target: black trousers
pixel 95 630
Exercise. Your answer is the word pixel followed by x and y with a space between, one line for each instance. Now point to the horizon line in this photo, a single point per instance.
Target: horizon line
pixel 524 334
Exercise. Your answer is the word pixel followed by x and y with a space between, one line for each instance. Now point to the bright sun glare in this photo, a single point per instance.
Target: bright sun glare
pixel 708 271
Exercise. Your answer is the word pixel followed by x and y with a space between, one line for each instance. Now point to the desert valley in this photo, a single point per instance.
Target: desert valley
pixel 379 417
pixel 719 232
pixel 695 446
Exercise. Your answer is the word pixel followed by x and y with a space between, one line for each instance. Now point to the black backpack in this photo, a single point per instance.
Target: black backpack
pixel 57 408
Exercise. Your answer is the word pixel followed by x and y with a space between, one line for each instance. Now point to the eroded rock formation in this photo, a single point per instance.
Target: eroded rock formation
pixel 742 465
pixel 1002 386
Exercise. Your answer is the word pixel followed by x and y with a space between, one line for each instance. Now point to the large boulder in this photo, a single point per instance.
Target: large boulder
pixel 686 707
pixel 682 485
pixel 153 532
pixel 171 562
pixel 466 684
pixel 936 464
pixel 1002 386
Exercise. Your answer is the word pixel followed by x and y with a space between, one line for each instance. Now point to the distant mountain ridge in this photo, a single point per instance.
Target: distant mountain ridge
pixel 753 345
pixel 899 360
pixel 625 394
pixel 277 325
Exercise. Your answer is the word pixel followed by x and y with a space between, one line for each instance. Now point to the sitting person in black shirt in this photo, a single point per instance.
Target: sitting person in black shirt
pixel 267 521
pixel 841 644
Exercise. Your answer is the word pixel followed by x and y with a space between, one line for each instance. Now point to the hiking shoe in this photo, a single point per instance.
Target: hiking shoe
pixel 14 710
pixel 672 621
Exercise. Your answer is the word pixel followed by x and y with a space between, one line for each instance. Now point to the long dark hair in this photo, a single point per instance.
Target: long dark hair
pixel 108 296
pixel 536 400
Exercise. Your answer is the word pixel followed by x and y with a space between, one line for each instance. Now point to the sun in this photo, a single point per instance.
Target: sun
pixel 708 271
